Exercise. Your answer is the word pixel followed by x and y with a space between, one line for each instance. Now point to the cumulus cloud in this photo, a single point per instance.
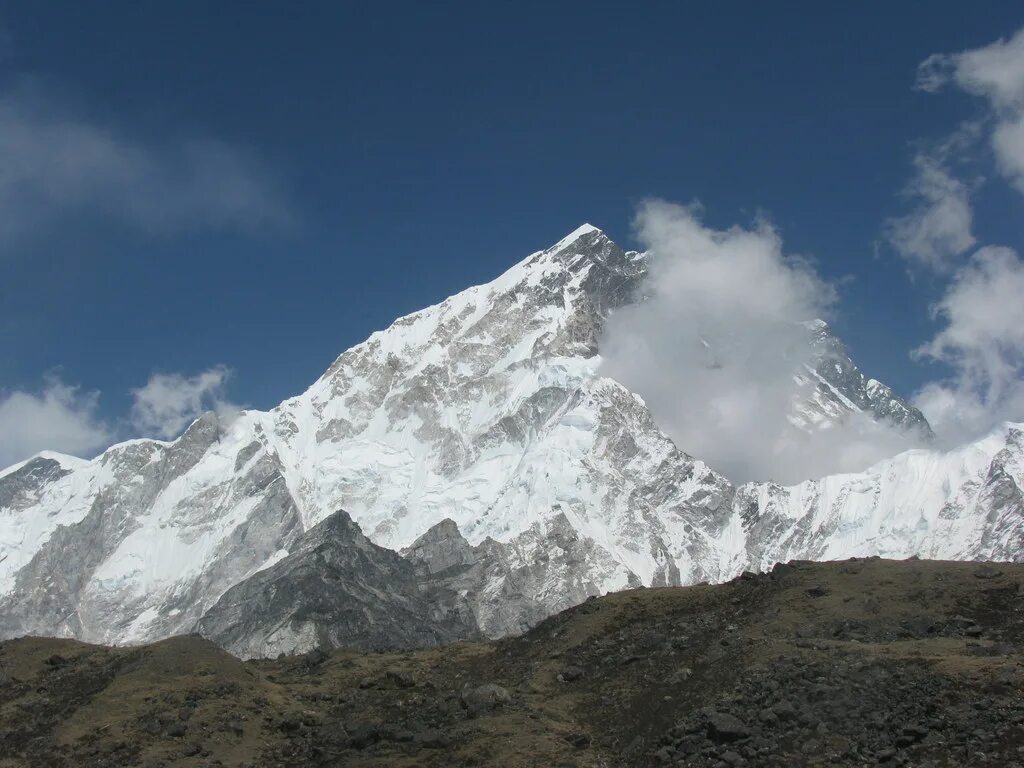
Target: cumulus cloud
pixel 995 73
pixel 982 340
pixel 53 162
pixel 1008 143
pixel 169 402
pixel 59 417
pixel 981 336
pixel 715 348
pixel 939 228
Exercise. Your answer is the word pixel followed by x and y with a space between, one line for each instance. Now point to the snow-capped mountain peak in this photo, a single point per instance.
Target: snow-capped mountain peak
pixel 486 412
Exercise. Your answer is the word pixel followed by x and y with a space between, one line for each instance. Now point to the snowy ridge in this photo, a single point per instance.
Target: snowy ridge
pixel 921 502
pixel 487 410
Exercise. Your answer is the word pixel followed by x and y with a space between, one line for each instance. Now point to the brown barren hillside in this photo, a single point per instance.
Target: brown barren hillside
pixel 860 662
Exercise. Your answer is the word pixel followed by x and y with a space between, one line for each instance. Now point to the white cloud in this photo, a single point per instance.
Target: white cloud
pixel 995 73
pixel 53 162
pixel 62 418
pixel 939 228
pixel 169 402
pixel 1008 143
pixel 714 348
pixel 982 340
pixel 59 418
pixel 982 310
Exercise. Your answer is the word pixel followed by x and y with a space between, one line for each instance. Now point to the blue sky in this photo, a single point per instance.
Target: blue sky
pixel 266 183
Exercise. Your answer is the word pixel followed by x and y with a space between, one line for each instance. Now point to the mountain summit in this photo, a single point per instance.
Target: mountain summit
pixel 485 414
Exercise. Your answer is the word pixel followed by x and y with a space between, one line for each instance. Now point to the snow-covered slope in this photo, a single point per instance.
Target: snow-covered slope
pixel 964 504
pixel 839 388
pixel 487 410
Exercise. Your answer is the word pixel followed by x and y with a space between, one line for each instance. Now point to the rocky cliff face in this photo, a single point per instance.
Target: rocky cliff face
pixel 140 541
pixel 335 589
pixel 511 586
pixel 840 388
pixel 480 435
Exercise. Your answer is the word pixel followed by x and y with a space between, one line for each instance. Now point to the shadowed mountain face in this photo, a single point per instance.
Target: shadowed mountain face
pixel 336 588
pixel 510 587
pixel 488 411
pixel 861 662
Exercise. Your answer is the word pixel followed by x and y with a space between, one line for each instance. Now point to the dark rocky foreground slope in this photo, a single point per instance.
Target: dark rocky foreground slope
pixel 859 662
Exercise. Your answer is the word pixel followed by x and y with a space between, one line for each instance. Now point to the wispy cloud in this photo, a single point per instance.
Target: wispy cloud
pixel 54 162
pixel 169 402
pixel 982 340
pixel 59 417
pixel 981 336
pixel 64 418
pixel 995 73
pixel 939 228
pixel 58 162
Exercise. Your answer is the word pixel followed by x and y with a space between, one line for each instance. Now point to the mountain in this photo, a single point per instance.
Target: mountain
pixel 335 588
pixel 479 436
pixel 964 504
pixel 511 586
pixel 839 388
